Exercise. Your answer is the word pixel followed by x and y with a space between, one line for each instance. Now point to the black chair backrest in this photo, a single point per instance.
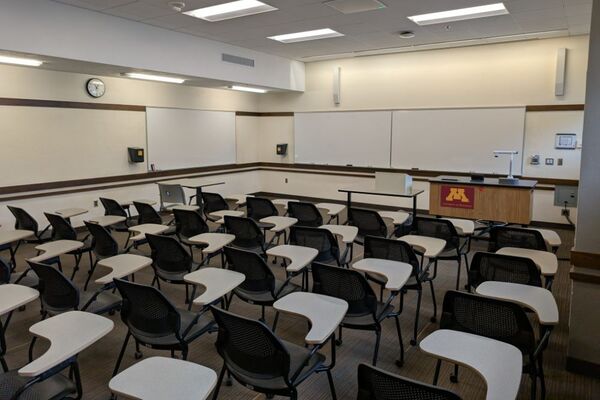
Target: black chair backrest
pixel 438 228
pixel 317 238
pixel 368 222
pixel 258 207
pixel 390 249
pixel 496 319
pixel 61 228
pixel 112 207
pixel 104 245
pixel 146 311
pixel 5 270
pixel 250 349
pixel 377 384
pixel 213 202
pixel 503 268
pixel 505 236
pixel 259 277
pixel 57 292
pixel 189 223
pixel 345 284
pixel 23 220
pixel 307 214
pixel 147 214
pixel 247 233
pixel 168 254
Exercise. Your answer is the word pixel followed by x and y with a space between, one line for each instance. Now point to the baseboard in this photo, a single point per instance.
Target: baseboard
pixel 538 224
pixel 583 367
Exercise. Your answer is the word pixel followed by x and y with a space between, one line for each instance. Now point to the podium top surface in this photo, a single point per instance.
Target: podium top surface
pixel 466 180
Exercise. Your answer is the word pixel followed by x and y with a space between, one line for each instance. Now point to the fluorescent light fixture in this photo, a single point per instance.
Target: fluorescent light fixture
pixel 234 9
pixel 460 14
pixel 247 89
pixel 158 78
pixel 307 35
pixel 20 61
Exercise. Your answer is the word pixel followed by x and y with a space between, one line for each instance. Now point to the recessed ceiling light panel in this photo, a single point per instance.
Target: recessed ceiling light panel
pixel 234 9
pixel 307 35
pixel 157 78
pixel 460 14
pixel 247 89
pixel 30 62
pixel 355 6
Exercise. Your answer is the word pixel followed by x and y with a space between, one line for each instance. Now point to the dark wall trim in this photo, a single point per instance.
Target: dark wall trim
pixel 74 186
pixel 583 367
pixel 555 107
pixel 585 260
pixel 263 114
pixel 69 104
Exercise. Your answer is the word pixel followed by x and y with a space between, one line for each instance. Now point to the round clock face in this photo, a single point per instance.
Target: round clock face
pixel 95 87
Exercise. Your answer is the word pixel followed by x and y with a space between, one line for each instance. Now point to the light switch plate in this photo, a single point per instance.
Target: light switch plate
pixel 549 161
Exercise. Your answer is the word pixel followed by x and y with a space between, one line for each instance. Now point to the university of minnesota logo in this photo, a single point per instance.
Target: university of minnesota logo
pixel 457 196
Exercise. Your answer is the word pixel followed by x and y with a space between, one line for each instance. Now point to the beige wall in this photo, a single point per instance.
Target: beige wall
pixel 519 73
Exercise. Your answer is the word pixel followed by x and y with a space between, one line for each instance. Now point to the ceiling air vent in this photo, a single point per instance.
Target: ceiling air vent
pixel 355 6
pixel 248 62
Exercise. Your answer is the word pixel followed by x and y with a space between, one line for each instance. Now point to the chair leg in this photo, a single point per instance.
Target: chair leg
pixel 339 340
pixel 458 272
pixel 331 385
pixel 400 361
pixel 434 318
pixel 436 375
pixel 31 345
pixel 121 353
pixel 219 381
pixel 377 341
pixel 541 374
pixel 275 321
pixel 413 341
pixel 3 363
pixel 262 314
pixel 533 375
pixel 454 376
pixel 76 267
pixel 90 273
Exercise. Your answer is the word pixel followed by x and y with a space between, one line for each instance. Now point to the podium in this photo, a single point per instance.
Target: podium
pixel 489 200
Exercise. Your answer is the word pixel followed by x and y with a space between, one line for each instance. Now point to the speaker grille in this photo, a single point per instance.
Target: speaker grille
pixel 248 62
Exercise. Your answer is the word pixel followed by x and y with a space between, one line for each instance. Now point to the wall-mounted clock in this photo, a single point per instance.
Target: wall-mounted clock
pixel 95 87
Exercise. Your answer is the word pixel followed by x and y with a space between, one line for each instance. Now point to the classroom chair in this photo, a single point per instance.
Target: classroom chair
pixel 23 220
pixel 112 207
pixel 25 278
pixel 503 268
pixel 262 362
pixel 364 311
pixel 258 208
pixel 396 250
pixel 248 235
pixel 495 319
pixel 368 222
pixel 189 223
pixel 445 230
pixel 153 321
pixel 170 196
pixel 377 384
pixel 148 215
pixel 171 262
pixel 104 245
pixel 213 202
pixel 307 214
pixel 508 236
pixel 260 286
pixel 63 230
pixel 323 241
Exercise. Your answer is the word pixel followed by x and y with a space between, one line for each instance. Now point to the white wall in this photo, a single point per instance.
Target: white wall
pixel 54 29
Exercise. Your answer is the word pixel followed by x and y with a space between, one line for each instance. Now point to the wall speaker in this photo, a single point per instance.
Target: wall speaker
pixel 561 70
pixel 281 149
pixel 337 74
pixel 136 154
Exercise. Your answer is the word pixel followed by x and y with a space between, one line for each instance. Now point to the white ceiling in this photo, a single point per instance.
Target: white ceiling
pixel 364 31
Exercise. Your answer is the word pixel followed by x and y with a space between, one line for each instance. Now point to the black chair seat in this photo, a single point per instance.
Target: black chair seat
pixel 30 279
pixel 40 237
pixel 298 355
pixel 188 242
pixel 55 387
pixel 175 277
pixel 203 324
pixel 88 245
pixel 105 302
pixel 124 226
pixel 366 321
pixel 266 298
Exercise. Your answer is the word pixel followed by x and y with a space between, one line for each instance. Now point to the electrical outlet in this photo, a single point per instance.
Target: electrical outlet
pixel 565 212
pixel 549 161
pixel 286 180
pixel 95 203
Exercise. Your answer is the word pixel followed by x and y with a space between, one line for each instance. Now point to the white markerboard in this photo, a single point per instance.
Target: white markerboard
pixel 458 140
pixel 180 138
pixel 341 138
